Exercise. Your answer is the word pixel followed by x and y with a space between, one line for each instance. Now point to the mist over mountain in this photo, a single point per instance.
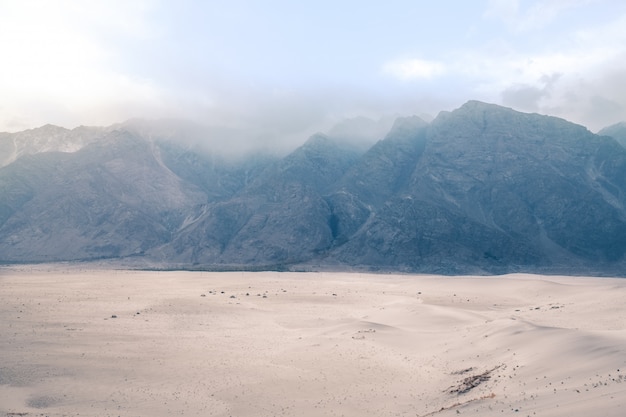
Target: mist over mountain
pixel 616 131
pixel 482 189
pixel 47 138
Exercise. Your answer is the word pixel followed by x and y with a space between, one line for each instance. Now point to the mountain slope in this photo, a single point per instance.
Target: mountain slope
pixel 280 217
pixel 617 132
pixel 111 198
pixel 379 174
pixel 498 190
pixel 47 138
pixel 482 189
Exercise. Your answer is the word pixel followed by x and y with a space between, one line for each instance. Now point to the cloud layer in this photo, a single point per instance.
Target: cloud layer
pixel 283 70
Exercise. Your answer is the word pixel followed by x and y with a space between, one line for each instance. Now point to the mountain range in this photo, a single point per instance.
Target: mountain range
pixel 483 189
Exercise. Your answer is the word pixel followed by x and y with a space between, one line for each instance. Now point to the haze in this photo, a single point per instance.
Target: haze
pixel 280 70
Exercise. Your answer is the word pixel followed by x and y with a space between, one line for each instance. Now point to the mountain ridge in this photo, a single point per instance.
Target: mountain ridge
pixel 483 189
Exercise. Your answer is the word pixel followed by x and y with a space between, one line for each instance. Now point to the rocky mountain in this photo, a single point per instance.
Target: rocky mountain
pixel 617 132
pixel 47 138
pixel 111 198
pixel 482 189
pixel 281 217
pixel 499 190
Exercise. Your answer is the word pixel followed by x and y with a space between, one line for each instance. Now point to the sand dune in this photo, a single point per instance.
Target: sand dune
pixel 128 343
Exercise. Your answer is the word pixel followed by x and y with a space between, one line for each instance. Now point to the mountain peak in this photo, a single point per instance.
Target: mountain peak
pixel 47 138
pixel 404 125
pixel 616 131
pixel 475 107
pixel 49 129
pixel 361 131
pixel 472 104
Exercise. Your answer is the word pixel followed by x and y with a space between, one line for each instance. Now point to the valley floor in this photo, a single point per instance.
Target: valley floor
pixel 131 343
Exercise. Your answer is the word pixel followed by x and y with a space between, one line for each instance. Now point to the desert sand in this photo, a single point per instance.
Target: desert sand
pixel 130 343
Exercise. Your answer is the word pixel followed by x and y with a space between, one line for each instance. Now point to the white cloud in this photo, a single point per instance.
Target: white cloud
pixel 412 69
pixel 73 62
pixel 571 84
pixel 504 10
pixel 579 75
pixel 538 15
pixel 580 54
pixel 545 12
pixel 55 63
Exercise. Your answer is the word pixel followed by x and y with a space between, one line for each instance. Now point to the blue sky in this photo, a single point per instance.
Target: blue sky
pixel 286 69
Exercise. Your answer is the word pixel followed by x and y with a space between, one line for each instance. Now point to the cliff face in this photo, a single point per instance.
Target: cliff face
pixel 497 190
pixel 482 189
pixel 111 198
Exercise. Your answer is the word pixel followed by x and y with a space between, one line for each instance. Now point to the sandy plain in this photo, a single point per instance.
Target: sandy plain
pixel 130 343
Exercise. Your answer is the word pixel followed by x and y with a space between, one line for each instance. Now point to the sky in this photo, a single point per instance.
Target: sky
pixel 282 69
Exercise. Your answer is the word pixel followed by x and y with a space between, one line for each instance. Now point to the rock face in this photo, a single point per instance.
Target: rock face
pixel 111 198
pixel 498 190
pixel 482 189
pixel 279 217
pixel 617 132
pixel 47 138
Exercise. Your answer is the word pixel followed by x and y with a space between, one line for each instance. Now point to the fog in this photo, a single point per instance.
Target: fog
pixel 270 74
